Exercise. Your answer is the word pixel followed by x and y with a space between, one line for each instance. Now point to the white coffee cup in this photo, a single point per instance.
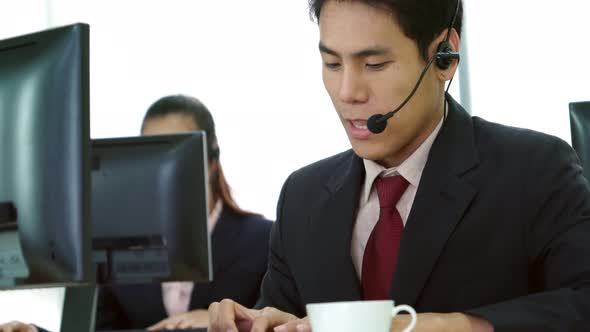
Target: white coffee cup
pixel 366 316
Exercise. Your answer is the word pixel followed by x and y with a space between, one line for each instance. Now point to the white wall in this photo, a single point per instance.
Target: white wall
pixel 528 60
pixel 254 64
pixel 23 16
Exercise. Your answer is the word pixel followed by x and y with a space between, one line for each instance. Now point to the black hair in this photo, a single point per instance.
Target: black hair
pixel 189 106
pixel 420 20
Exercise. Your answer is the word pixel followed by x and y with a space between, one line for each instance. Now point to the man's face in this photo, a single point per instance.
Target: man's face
pixel 370 67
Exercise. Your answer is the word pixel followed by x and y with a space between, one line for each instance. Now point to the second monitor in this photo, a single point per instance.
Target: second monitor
pixel 149 209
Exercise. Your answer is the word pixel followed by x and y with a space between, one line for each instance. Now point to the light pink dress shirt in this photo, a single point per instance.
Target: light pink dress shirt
pixel 368 211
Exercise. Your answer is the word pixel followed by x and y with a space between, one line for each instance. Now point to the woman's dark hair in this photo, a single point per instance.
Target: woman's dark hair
pixel 203 120
pixel 420 20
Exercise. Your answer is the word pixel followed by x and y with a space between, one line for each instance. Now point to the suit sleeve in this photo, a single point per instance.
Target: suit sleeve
pixel 279 289
pixel 558 248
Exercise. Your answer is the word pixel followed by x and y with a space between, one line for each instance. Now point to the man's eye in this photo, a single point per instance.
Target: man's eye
pixel 376 66
pixel 332 65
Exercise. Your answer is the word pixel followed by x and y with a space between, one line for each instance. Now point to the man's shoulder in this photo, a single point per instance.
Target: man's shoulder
pixel 498 139
pixel 325 168
pixel 310 181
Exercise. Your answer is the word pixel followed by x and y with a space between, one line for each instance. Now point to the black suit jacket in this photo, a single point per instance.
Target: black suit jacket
pixel 239 250
pixel 499 228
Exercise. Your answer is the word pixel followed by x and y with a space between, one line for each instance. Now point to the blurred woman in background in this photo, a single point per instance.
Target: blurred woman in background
pixel 239 241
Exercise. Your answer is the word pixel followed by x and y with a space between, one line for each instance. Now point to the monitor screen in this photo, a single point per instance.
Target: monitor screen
pixel 580 128
pixel 44 158
pixel 149 209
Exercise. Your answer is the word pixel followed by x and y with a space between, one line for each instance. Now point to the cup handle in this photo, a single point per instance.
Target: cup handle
pixel 412 313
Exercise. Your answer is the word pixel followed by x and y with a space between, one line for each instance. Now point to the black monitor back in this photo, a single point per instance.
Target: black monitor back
pixel 149 208
pixel 44 153
pixel 580 130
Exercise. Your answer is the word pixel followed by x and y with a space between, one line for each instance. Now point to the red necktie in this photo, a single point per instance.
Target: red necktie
pixel 382 248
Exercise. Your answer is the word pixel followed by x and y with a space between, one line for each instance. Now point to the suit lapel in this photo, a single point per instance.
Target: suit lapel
pixel 330 228
pixel 442 198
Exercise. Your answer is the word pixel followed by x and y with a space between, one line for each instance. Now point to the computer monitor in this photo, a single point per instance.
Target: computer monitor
pixel 580 129
pixel 44 159
pixel 150 208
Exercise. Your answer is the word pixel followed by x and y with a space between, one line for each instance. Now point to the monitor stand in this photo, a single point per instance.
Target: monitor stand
pixel 130 260
pixel 79 309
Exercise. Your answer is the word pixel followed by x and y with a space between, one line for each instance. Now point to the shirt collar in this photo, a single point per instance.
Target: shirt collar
pixel 411 169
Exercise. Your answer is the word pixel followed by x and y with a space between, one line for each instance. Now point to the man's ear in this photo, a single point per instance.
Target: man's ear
pixel 447 71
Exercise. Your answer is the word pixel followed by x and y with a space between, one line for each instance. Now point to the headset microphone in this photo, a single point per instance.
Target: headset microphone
pixel 444 57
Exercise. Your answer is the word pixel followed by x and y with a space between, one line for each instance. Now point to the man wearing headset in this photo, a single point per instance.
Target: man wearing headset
pixel 489 226
pixel 478 226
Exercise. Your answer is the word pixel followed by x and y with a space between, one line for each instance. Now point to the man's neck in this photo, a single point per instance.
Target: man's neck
pixel 404 153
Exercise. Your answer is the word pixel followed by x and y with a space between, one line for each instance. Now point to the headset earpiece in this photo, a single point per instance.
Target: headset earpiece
pixel 445 55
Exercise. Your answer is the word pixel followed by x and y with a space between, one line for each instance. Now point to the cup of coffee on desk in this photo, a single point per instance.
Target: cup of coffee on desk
pixel 367 316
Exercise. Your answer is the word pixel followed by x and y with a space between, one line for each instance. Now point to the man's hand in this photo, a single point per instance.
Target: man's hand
pixel 231 316
pixel 427 322
pixel 228 315
pixel 430 322
pixel 298 325
pixel 17 327
pixel 191 319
